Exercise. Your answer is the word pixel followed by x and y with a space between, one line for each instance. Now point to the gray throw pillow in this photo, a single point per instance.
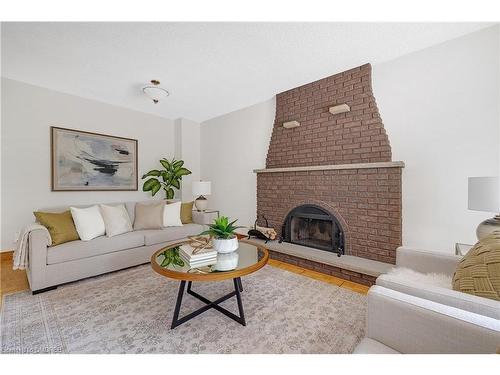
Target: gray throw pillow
pixel 149 215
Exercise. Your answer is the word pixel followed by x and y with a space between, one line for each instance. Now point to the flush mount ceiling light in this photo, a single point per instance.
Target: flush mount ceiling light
pixel 155 92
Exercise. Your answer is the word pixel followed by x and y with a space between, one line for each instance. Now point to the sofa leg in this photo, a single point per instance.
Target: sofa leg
pixel 44 290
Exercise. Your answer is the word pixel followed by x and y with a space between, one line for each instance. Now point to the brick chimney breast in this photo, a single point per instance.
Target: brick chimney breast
pixel 357 136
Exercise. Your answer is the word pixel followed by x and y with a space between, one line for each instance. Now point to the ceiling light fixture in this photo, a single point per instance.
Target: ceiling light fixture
pixel 155 92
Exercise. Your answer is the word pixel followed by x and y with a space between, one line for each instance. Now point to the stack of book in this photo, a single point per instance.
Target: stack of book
pixel 201 258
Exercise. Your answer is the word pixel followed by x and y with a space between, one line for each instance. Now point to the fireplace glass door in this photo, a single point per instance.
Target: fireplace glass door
pixel 311 226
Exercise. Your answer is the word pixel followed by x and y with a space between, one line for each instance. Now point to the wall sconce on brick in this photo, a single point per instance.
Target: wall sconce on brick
pixel 342 108
pixel 291 124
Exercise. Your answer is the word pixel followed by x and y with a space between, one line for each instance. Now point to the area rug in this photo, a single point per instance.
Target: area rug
pixel 130 311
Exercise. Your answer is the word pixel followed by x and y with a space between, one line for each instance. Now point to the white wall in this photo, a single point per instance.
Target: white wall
pixel 232 146
pixel 440 107
pixel 27 114
pixel 187 148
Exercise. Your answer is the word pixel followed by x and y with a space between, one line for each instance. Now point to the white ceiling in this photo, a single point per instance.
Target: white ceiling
pixel 209 68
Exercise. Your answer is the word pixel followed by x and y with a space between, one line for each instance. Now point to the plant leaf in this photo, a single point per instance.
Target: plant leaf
pixel 177 164
pixel 165 176
pixel 151 184
pixel 155 188
pixel 153 172
pixel 170 193
pixel 182 172
pixel 175 183
pixel 165 163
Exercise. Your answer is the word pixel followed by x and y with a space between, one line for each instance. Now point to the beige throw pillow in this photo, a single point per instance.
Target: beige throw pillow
pixel 478 272
pixel 149 215
pixel 116 219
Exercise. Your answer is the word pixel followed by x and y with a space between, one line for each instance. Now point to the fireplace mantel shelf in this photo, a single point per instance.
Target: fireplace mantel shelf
pixel 389 164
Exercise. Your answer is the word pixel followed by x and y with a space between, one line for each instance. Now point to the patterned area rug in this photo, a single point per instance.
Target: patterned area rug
pixel 130 312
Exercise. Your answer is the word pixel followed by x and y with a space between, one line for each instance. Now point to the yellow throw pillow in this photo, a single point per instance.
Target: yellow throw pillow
pixel 478 272
pixel 187 212
pixel 60 226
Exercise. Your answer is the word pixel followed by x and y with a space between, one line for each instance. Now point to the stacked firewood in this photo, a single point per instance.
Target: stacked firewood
pixel 269 232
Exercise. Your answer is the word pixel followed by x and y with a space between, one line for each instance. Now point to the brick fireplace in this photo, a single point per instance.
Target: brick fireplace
pixel 340 163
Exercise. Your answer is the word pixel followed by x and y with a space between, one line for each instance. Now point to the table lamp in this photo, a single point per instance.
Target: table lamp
pixel 484 196
pixel 200 189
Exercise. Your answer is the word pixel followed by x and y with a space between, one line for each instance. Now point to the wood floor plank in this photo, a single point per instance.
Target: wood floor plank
pixel 6 255
pixel 355 287
pixel 323 277
pixel 290 267
pixel 11 281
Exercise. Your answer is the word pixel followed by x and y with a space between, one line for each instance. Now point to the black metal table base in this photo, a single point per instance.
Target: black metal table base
pixel 238 288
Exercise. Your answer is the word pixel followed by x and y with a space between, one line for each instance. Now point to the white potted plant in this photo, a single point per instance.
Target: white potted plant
pixel 224 239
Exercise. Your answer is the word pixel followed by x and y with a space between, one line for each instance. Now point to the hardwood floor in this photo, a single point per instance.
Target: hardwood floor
pixel 10 281
pixel 359 288
pixel 15 281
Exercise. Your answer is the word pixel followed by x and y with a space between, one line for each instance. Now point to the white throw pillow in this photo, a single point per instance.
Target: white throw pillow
pixel 116 219
pixel 172 215
pixel 88 222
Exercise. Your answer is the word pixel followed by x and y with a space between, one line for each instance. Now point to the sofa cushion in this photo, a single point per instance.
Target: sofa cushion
pixel 172 215
pixel 445 296
pixel 116 219
pixel 149 215
pixel 187 212
pixel 101 245
pixel 88 222
pixel 60 226
pixel 154 237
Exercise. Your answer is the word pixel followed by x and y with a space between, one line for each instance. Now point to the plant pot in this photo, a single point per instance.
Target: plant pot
pixel 225 245
pixel 227 261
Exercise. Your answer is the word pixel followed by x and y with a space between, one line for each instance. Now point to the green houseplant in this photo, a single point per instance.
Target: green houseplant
pixel 168 178
pixel 223 236
pixel 171 257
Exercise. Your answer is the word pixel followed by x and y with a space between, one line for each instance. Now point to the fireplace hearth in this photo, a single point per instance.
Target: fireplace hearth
pixel 312 226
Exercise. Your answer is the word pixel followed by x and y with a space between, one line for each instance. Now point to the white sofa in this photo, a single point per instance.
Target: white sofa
pixel 70 261
pixel 401 323
pixel 427 262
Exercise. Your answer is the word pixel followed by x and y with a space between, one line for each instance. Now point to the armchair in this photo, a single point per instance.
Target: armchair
pixel 426 263
pixel 402 323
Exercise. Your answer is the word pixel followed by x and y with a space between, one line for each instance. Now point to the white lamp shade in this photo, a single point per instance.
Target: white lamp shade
pixel 202 188
pixel 484 194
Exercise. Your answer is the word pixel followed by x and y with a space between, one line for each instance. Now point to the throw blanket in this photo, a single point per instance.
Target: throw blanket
pixel 21 253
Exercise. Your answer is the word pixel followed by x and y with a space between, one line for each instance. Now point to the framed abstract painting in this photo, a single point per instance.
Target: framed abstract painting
pixel 84 161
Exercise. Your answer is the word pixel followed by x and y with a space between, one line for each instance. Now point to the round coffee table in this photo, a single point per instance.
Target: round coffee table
pixel 250 258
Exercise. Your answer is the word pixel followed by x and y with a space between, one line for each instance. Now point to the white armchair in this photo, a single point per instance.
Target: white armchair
pixel 402 323
pixel 426 262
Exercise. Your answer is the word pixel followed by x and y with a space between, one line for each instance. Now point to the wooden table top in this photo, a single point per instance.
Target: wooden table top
pixel 251 259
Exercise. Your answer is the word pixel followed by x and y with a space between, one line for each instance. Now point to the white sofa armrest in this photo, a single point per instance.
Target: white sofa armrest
pixel 37 260
pixel 410 324
pixel 426 261
pixel 204 218
pixel 445 296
